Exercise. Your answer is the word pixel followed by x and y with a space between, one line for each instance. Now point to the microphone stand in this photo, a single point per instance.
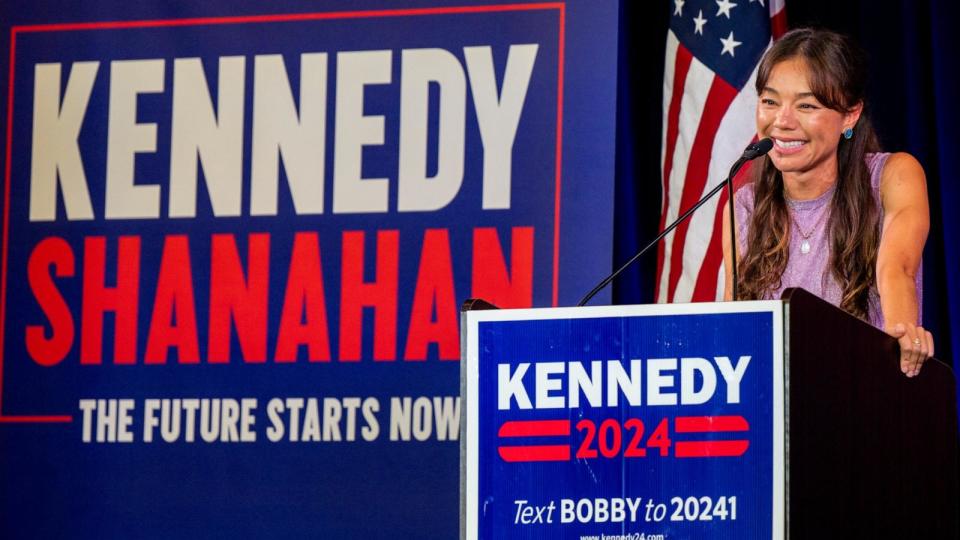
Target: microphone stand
pixel 748 155
pixel 733 229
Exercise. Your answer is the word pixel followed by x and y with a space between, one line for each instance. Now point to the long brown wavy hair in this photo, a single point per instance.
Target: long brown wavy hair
pixel 837 74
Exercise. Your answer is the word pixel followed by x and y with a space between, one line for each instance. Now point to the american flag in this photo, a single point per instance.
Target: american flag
pixel 713 49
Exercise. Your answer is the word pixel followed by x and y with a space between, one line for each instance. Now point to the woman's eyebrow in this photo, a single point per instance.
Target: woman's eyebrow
pixel 801 95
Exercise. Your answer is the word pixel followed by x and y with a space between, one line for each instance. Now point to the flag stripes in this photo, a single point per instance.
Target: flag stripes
pixel 708 105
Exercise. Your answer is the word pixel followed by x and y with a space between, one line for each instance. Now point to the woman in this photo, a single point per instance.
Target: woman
pixel 826 210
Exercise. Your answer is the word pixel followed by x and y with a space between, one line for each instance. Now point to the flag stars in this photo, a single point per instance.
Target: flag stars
pixel 761 2
pixel 699 21
pixel 678 7
pixel 729 44
pixel 724 7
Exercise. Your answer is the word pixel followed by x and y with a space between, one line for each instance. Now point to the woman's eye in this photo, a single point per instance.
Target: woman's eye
pixel 767 101
pixel 808 106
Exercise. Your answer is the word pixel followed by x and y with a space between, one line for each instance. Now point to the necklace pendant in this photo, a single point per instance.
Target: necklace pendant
pixel 805 247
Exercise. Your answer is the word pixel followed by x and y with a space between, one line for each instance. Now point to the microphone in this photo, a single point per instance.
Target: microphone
pixel 757 149
pixel 751 152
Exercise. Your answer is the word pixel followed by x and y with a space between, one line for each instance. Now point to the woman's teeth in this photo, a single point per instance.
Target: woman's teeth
pixel 790 144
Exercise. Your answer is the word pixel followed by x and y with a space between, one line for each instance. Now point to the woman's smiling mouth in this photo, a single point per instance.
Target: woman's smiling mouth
pixel 789 146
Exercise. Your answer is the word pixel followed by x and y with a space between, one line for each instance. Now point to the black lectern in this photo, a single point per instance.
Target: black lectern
pixel 870 452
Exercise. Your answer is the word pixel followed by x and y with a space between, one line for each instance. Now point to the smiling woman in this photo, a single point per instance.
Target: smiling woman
pixel 827 210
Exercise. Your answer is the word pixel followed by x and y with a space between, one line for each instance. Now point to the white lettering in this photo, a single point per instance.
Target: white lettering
pixel 88 406
pixel 511 386
pixel 150 420
pixel 279 131
pixel 55 151
pixel 689 367
pixel 352 193
pixel 125 138
pixel 446 411
pixel 546 384
pixel 420 67
pixel 216 138
pixel 498 117
pixel 617 379
pixel 656 383
pixel 697 383
pixel 370 408
pixel 732 375
pixel 591 385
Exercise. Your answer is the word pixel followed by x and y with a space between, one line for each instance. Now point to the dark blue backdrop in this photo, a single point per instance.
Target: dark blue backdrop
pixel 913 101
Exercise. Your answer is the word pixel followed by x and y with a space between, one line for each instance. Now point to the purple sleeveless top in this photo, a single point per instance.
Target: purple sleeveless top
pixel 807 265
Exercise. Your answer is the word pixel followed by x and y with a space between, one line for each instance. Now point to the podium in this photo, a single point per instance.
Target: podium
pixel 762 419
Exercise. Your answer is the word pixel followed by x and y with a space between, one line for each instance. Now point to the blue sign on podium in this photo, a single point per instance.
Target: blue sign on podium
pixel 640 422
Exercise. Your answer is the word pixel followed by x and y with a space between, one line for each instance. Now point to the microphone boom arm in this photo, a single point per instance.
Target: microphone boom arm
pixel 729 181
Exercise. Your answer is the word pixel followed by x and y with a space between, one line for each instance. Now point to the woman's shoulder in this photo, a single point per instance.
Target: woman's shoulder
pixel 898 179
pixel 896 162
pixel 896 171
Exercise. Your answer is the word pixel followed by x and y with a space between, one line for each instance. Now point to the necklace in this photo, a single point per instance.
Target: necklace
pixel 823 200
pixel 805 244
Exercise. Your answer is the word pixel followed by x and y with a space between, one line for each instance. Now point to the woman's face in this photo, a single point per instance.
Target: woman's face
pixel 805 133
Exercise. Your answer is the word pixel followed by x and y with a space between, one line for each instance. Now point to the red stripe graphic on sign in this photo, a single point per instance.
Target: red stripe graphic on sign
pixel 515 454
pixel 535 428
pixel 710 424
pixel 711 449
pixel 700 424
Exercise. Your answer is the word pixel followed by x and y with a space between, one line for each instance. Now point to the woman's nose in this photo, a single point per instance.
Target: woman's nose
pixel 784 118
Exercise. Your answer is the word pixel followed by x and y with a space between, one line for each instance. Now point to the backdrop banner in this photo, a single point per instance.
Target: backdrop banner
pixel 236 235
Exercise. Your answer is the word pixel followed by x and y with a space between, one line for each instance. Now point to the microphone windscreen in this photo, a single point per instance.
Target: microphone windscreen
pixel 764 146
pixel 757 149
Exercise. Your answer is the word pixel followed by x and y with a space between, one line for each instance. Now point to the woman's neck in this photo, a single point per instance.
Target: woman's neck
pixel 810 184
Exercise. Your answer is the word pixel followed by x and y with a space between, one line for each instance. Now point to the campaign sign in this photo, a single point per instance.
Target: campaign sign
pixel 643 422
pixel 234 240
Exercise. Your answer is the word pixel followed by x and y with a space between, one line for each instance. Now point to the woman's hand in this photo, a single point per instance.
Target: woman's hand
pixel 916 345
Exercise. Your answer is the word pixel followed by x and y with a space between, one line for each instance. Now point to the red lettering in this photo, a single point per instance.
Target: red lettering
pixel 240 298
pixel 434 289
pixel 381 295
pixel 98 298
pixel 491 280
pixel 55 252
pixel 304 317
pixel 174 320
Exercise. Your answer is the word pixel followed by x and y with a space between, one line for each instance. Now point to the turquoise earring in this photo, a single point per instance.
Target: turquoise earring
pixel 848 133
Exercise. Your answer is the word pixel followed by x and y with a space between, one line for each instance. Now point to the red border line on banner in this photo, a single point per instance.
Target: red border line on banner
pixel 248 19
pixel 36 419
pixel 557 167
pixel 6 211
pixel 289 17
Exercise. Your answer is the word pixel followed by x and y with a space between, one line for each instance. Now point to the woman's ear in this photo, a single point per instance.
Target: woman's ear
pixel 852 116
